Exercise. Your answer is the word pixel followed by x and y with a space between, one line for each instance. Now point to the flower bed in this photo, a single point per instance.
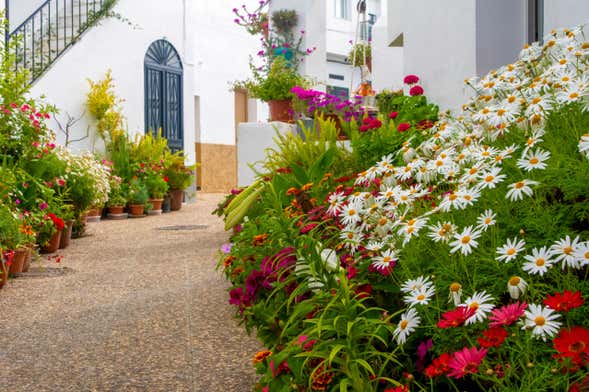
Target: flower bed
pixel 456 261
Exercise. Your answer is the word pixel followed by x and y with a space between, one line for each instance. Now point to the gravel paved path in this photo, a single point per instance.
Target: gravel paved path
pixel 138 309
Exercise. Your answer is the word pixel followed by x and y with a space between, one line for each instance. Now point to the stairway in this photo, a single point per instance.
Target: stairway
pixel 50 30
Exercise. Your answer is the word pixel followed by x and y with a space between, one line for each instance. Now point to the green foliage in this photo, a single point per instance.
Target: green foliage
pixel 178 174
pixel 138 193
pixel 284 21
pixel 157 187
pixel 276 84
pixel 11 236
pixel 104 105
pixel 360 54
pixel 410 109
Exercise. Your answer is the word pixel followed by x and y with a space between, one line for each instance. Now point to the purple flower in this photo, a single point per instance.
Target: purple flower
pixel 226 248
pixel 17 201
pixel 43 206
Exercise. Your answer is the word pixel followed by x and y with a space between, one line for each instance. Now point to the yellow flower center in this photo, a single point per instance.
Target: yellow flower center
pixel 403 324
pixel 540 262
pixel 350 236
pixel 474 305
pixel 536 100
pixel 540 321
pixel 568 250
pixel 514 281
pixel 488 221
pixel 386 259
pixel 465 239
pixel 489 178
pixel 473 171
pixel 586 255
pixel 574 95
pixel 455 287
pixel 439 163
pixel 352 212
pixel 510 251
pixel 534 161
pixel 452 197
pixel 519 185
pixel 500 112
pixel 421 297
pixel 382 221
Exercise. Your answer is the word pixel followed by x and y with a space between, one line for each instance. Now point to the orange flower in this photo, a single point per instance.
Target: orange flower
pixel 292 191
pixel 238 270
pixel 228 261
pixel 321 379
pixel 261 356
pixel 259 239
pixel 307 186
pixel 27 229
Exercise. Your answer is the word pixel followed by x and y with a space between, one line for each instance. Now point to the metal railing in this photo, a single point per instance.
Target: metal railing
pixel 49 31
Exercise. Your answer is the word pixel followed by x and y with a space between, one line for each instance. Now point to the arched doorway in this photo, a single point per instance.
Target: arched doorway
pixel 163 93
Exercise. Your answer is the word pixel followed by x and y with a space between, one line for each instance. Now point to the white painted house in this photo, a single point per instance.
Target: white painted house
pixel 171 68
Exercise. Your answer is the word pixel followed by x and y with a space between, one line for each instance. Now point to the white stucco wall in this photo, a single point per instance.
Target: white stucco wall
pixel 440 47
pixel 214 51
pixel 387 61
pixel 565 13
pixel 20 10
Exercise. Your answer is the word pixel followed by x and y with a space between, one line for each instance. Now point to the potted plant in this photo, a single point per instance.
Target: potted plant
pixel 13 239
pixel 138 197
pixel 179 177
pixel 50 230
pixel 157 187
pixel 284 21
pixel 117 199
pixel 361 54
pixel 67 214
pixel 275 87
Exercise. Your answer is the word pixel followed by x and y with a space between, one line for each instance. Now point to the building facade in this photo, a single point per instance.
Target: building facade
pixel 171 65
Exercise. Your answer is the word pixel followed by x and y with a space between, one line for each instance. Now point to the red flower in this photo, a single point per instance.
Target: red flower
pixel 393 115
pixel 439 366
pixel 402 388
pixel 411 79
pixel 455 318
pixel 563 302
pixel 416 90
pixel 466 361
pixel 403 127
pixel 573 343
pixel 57 221
pixel 307 228
pixel 494 337
pixel 507 314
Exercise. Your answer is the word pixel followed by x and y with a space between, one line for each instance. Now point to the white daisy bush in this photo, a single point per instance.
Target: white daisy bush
pixel 464 253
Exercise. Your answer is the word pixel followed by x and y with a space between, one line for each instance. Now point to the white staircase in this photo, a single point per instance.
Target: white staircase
pixel 50 30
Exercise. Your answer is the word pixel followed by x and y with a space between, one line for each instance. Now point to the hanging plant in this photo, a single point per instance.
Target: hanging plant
pixel 358 53
pixel 284 21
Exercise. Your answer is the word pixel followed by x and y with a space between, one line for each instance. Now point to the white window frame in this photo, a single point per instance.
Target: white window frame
pixel 342 9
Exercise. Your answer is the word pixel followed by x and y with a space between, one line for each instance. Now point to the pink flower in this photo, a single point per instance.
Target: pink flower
pixel 43 206
pixel 456 317
pixel 507 315
pixel 411 79
pixel 393 115
pixel 416 90
pixel 403 127
pixel 466 361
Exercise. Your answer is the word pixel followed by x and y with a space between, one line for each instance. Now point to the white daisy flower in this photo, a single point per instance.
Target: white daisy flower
pixel 330 259
pixel 486 220
pixel 441 231
pixel 374 246
pixel 584 145
pixel 451 200
pixel 411 228
pixel 533 160
pixel 350 213
pixel 482 303
pixel 351 238
pixel 491 178
pixel 564 250
pixel 582 253
pixel 541 321
pixel 468 196
pixel 465 241
pixel 335 201
pixel 419 283
pixel 409 321
pixel 455 293
pixel 516 287
pixel 510 250
pixel 517 190
pixel 538 262
pixel 420 297
pixel 385 260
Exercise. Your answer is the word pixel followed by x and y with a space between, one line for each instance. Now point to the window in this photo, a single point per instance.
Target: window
pixel 366 28
pixel 336 76
pixel 342 9
pixel 341 92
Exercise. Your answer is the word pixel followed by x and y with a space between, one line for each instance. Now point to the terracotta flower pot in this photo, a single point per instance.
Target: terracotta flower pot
pixel 66 235
pixel 156 204
pixel 53 245
pixel 176 200
pixel 31 248
pixel 116 210
pixel 136 210
pixel 18 261
pixel 93 215
pixel 281 110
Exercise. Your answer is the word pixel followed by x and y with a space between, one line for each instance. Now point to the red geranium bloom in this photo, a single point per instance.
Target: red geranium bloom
pixel 57 221
pixel 494 337
pixel 580 386
pixel 166 178
pixel 507 314
pixel 403 127
pixel 393 115
pixel 573 343
pixel 466 361
pixel 456 317
pixel 563 302
pixel 416 90
pixel 411 79
pixel 439 366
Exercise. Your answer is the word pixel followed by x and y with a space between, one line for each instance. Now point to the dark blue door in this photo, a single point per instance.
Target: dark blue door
pixel 163 93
